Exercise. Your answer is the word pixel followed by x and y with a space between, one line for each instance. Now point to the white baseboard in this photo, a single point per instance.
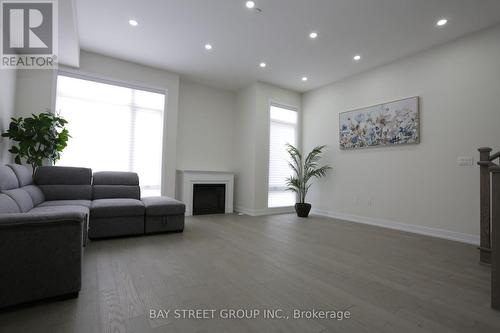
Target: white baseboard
pixel 428 231
pixel 265 211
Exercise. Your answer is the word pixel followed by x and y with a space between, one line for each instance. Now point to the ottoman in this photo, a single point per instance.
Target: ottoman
pixel 163 214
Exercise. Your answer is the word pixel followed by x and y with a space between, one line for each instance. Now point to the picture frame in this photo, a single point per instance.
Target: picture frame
pixel 387 124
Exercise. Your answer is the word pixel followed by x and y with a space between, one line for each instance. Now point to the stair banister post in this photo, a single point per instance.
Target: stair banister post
pixel 485 223
pixel 495 241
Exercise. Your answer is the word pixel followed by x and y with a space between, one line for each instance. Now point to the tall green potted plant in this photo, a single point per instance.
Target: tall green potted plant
pixel 304 170
pixel 40 137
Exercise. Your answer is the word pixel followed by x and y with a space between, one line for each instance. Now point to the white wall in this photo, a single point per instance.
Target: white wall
pixel 244 149
pixel 251 147
pixel 419 186
pixel 7 103
pixel 34 91
pixel 205 133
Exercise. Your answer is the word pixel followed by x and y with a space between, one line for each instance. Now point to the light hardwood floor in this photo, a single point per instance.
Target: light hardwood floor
pixel 390 281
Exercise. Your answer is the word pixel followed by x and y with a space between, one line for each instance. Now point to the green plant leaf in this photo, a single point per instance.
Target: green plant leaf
pixel 40 137
pixel 303 171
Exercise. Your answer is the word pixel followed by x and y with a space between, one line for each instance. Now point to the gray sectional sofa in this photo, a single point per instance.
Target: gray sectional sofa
pixel 45 221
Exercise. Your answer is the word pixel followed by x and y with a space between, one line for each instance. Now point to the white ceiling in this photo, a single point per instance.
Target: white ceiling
pixel 172 34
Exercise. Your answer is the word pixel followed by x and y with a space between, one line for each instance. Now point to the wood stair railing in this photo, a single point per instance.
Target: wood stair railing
pixel 495 238
pixel 490 219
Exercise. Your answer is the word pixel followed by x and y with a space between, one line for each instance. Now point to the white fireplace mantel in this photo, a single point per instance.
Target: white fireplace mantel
pixel 187 178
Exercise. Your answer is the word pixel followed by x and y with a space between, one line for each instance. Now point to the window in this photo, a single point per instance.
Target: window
pixel 283 130
pixel 113 127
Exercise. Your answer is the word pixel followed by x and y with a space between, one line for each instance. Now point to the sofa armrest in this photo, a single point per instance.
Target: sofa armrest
pixel 41 256
pixel 39 220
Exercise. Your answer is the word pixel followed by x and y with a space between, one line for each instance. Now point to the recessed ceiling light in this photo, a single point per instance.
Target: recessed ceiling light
pixel 133 23
pixel 304 78
pixel 441 22
pixel 357 57
pixel 208 47
pixel 250 4
pixel 263 65
pixel 313 35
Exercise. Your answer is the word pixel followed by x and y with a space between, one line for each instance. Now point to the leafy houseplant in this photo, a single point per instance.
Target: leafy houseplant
pixel 304 170
pixel 40 137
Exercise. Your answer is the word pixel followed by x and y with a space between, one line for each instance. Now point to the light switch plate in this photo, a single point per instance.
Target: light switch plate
pixel 465 161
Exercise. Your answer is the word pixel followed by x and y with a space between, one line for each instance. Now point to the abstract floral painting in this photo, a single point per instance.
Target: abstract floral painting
pixel 393 123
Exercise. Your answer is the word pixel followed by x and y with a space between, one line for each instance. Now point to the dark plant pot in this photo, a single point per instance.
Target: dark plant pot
pixel 302 209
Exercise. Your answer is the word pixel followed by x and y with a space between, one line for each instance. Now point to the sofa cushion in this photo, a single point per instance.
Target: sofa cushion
pixel 61 209
pixel 113 185
pixel 84 203
pixel 64 183
pixel 8 179
pixel 66 192
pixel 52 175
pixel 116 208
pixel 66 209
pixel 7 205
pixel 115 178
pixel 22 199
pixel 115 192
pixel 158 206
pixel 35 193
pixel 23 174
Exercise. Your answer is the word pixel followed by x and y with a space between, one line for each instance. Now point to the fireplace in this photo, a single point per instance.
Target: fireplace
pixel 188 179
pixel 209 199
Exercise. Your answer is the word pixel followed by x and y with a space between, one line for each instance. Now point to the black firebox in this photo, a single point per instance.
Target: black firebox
pixel 209 199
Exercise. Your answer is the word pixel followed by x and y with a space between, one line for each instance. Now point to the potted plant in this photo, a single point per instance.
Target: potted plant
pixel 304 170
pixel 41 137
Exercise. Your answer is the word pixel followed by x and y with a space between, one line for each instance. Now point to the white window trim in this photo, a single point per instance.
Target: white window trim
pixel 101 79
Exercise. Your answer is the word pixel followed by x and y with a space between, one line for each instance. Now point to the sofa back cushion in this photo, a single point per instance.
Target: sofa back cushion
pixel 64 183
pixel 22 199
pixel 21 189
pixel 8 179
pixel 7 205
pixel 23 174
pixel 113 185
pixel 35 193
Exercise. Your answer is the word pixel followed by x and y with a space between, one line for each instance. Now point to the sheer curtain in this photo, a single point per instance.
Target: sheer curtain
pixel 283 130
pixel 113 128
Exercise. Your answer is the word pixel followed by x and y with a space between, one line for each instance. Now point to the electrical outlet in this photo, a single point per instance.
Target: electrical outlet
pixel 465 161
pixel 370 202
pixel 355 200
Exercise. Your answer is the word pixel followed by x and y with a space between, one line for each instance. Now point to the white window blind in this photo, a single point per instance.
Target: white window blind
pixel 113 128
pixel 283 130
